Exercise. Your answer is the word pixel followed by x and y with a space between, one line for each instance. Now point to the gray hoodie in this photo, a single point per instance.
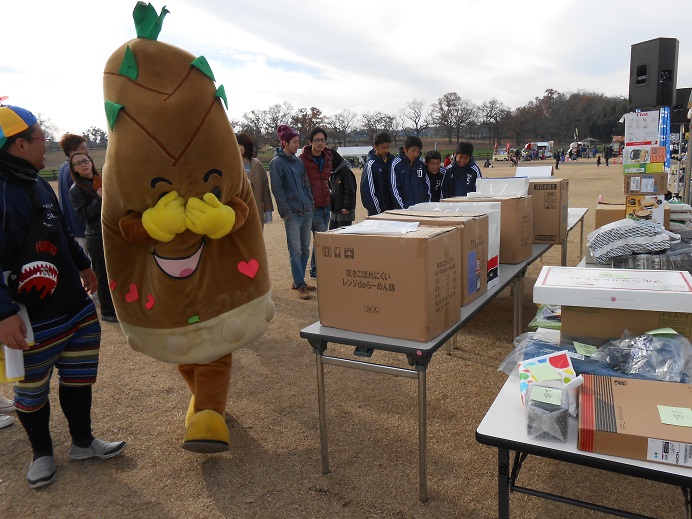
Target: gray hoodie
pixel 290 184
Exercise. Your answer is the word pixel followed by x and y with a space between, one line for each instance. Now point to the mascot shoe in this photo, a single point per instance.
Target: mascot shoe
pixel 207 433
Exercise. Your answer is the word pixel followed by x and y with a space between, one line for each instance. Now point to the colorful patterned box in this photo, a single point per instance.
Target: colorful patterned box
pixel 556 366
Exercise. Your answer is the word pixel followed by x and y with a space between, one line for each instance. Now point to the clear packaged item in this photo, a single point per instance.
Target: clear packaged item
pixel 547 412
pixel 547 316
pixel 661 356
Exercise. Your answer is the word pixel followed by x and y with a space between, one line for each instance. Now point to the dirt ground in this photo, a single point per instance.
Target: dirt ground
pixel 273 466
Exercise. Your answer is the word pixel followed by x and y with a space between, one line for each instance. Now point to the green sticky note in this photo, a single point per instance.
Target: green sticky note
pixel 662 331
pixel 547 395
pixel 675 415
pixel 542 372
pixel 585 349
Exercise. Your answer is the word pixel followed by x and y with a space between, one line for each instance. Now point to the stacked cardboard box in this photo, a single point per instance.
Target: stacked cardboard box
pixel 366 287
pixel 516 225
pixel 473 230
pixel 550 209
pixel 604 303
pixel 646 179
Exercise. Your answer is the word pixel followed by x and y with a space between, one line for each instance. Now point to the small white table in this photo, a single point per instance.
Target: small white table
pixel 504 427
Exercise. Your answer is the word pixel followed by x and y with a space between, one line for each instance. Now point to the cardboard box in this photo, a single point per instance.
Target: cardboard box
pixel 646 184
pixel 620 417
pixel 550 208
pixel 366 286
pixel 649 169
pixel 608 213
pixel 473 229
pixel 580 322
pixel 516 226
pixel 658 290
pixel 493 210
pixel 646 207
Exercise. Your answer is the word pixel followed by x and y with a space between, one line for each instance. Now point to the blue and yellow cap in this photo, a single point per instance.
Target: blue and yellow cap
pixel 14 120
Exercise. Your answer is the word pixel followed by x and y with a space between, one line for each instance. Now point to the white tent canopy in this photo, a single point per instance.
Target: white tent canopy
pixel 354 151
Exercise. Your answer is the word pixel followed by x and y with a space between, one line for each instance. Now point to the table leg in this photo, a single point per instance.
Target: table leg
pixel 503 479
pixel 322 404
pixel 581 239
pixel 518 285
pixel 564 251
pixel 422 435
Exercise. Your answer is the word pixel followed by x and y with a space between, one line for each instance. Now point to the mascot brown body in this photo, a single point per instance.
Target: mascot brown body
pixel 184 248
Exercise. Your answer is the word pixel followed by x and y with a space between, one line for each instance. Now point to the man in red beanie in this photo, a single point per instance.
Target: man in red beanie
pixel 294 202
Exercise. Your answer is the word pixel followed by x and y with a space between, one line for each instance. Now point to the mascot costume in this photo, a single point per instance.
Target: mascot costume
pixel 185 255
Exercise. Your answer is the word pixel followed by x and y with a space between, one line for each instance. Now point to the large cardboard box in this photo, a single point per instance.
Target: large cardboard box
pixel 403 286
pixel 516 226
pixel 550 209
pixel 646 184
pixel 621 417
pixel 581 322
pixel 473 229
pixel 608 213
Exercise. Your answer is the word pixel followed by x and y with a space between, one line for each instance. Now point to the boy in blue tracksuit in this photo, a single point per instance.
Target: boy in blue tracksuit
pixel 460 177
pixel 409 181
pixel 374 183
pixel 436 174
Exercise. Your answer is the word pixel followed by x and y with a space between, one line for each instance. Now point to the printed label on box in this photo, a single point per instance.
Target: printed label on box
pixel 673 453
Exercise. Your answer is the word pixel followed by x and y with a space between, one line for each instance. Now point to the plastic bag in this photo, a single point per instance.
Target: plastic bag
pixel 659 357
pixel 547 416
pixel 547 316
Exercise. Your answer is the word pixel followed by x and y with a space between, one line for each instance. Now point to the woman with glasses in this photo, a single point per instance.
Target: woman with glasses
pixel 86 195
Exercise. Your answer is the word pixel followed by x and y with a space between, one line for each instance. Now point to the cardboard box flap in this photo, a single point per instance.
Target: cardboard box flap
pixel 430 214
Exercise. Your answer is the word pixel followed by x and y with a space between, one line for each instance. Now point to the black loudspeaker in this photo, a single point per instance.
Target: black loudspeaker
pixel 678 112
pixel 653 73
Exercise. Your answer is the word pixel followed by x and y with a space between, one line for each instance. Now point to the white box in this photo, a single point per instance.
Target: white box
pixel 502 187
pixel 657 290
pixel 534 171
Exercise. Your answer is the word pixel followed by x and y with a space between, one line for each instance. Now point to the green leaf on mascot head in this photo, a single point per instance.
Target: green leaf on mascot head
pixel 147 22
pixel 128 67
pixel 112 111
pixel 221 92
pixel 201 64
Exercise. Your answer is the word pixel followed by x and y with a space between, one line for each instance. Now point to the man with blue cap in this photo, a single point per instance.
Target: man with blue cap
pixel 46 271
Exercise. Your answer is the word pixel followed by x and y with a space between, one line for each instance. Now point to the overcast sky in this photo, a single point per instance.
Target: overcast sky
pixel 364 55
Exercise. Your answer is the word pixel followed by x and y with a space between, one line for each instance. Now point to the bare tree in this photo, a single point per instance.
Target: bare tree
pixel 48 127
pixel 276 115
pixel 452 113
pixel 342 124
pixel 414 112
pixel 96 136
pixel 304 120
pixel 374 122
pixel 491 113
pixel 254 124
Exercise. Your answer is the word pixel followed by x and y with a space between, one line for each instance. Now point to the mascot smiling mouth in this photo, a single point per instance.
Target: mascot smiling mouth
pixel 180 268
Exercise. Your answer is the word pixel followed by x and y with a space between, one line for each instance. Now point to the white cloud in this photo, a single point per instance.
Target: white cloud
pixel 361 55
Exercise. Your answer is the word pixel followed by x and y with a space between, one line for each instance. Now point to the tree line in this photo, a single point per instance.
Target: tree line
pixel 554 116
pixel 557 116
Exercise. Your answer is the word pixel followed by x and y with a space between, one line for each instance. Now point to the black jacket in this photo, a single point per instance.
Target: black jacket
pixel 342 183
pixel 87 204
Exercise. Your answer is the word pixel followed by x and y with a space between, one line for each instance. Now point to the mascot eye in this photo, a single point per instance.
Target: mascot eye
pixel 216 191
pixel 163 194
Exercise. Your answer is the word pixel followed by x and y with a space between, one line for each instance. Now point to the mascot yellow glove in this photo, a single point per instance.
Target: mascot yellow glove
pixel 166 219
pixel 209 216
